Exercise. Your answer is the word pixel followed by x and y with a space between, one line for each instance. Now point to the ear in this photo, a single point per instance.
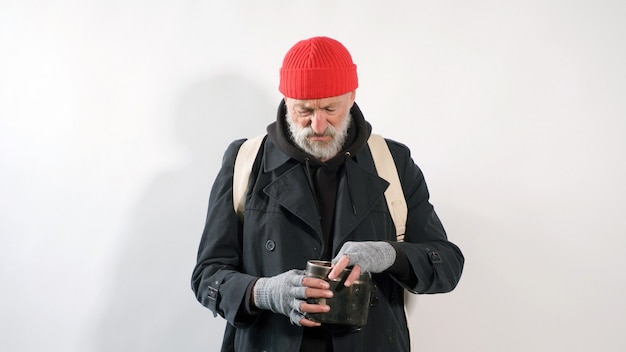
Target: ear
pixel 352 97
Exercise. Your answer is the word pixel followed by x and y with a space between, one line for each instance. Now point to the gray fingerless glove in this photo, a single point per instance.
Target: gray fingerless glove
pixel 282 294
pixel 372 256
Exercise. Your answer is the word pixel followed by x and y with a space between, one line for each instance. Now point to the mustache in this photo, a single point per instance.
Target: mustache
pixel 309 132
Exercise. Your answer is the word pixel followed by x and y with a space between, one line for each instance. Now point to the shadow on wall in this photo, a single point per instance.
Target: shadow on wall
pixel 150 306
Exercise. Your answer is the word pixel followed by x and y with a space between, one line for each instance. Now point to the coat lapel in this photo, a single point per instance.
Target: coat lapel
pixel 366 189
pixel 291 190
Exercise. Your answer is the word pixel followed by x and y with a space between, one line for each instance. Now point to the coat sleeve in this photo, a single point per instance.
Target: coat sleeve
pixel 217 280
pixel 436 262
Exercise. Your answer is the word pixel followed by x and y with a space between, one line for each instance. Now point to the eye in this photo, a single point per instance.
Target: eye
pixel 330 110
pixel 303 112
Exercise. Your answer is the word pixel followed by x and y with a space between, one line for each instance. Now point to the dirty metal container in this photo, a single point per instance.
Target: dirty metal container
pixel 349 305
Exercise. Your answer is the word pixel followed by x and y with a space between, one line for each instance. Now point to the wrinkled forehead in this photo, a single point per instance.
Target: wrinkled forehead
pixel 318 103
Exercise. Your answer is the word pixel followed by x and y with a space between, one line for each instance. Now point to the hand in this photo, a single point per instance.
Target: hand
pixel 372 256
pixel 286 294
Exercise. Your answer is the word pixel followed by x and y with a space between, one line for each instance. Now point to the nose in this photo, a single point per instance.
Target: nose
pixel 319 122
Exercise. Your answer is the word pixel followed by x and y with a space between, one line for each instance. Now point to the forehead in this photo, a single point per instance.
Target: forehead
pixel 316 103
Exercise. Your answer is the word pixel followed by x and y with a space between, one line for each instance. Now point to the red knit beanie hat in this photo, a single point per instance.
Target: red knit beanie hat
pixel 315 68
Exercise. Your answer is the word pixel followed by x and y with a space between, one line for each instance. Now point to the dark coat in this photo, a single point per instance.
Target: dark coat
pixel 281 231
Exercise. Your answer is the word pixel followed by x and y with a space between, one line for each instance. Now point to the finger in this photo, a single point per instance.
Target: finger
pixel 296 317
pixel 309 323
pixel 314 308
pixel 341 264
pixel 298 292
pixel 318 293
pixel 297 278
pixel 354 275
pixel 315 283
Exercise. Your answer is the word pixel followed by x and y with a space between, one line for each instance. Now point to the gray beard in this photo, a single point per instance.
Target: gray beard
pixel 320 150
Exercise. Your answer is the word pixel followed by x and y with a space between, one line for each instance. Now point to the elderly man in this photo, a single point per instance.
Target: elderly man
pixel 314 194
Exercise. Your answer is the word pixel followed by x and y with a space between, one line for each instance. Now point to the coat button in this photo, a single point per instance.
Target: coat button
pixel 435 257
pixel 270 245
pixel 373 301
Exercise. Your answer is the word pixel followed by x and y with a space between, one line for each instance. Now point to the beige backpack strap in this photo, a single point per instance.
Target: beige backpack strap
pixel 386 168
pixel 243 167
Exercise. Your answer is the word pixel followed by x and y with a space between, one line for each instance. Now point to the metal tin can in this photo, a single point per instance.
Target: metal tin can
pixel 349 305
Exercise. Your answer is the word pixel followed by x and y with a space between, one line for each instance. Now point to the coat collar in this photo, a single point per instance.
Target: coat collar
pixel 273 157
pixel 366 189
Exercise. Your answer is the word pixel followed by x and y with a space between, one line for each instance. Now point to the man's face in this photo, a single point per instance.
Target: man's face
pixel 320 126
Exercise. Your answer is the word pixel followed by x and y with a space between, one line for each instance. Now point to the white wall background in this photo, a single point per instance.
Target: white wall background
pixel 114 116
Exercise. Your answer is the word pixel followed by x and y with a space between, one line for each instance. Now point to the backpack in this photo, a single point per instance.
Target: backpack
pixel 383 161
